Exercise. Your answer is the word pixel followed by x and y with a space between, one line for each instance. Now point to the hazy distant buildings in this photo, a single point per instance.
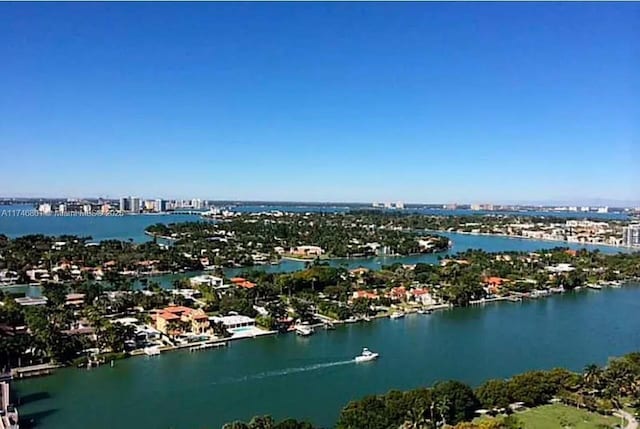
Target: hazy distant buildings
pixel 160 205
pixel 135 205
pixel 124 204
pixel 130 204
pixel 389 205
pixel 631 235
pixel 44 208
pixel 477 207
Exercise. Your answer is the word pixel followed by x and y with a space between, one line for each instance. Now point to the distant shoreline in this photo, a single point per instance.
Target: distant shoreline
pixel 489 234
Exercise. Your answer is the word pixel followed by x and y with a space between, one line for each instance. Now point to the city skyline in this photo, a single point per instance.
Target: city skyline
pixel 502 103
pixel 185 201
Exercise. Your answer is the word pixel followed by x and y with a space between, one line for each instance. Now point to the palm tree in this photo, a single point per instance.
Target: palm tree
pixel 443 409
pixel 416 418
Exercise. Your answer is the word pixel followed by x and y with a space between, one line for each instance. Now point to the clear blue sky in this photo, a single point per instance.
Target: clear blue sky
pixel 321 102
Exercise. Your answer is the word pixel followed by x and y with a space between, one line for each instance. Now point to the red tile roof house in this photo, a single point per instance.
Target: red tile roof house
pixel 494 284
pixel 174 320
pixel 422 296
pixel 243 283
pixel 398 293
pixel 365 294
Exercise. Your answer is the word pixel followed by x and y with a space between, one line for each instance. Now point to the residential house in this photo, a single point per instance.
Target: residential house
pixel 242 283
pixel 234 321
pixel 175 320
pixel 493 285
pixel 423 296
pixel 365 294
pixel 398 293
pixel 306 251
pixel 207 280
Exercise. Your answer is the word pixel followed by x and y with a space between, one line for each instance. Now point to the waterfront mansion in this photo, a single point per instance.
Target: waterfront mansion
pixel 177 320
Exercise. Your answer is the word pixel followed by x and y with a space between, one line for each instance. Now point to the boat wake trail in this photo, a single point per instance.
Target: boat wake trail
pixel 286 371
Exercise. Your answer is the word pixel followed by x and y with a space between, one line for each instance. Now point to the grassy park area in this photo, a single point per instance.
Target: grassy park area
pixel 560 416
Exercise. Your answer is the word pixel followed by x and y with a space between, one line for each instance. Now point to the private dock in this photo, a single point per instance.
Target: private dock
pixel 33 370
pixel 205 346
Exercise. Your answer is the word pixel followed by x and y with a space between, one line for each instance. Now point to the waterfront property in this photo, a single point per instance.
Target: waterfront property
pixel 329 293
pixel 569 330
pixel 631 235
pixel 306 251
pixel 208 280
pixel 176 320
pixel 234 322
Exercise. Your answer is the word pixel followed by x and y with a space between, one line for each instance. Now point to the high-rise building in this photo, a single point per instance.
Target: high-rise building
pixel 631 235
pixel 62 208
pixel 196 203
pixel 160 205
pixel 124 204
pixel 135 205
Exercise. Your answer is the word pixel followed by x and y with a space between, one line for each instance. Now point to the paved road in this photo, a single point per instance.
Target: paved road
pixel 632 423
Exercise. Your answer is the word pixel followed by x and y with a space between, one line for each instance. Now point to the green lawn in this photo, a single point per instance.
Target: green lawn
pixel 559 416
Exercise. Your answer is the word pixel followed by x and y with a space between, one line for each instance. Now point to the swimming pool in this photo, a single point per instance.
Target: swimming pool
pixel 243 329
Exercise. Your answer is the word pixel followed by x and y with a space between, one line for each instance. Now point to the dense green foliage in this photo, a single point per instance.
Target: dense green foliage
pixel 339 235
pixel 266 422
pixel 110 256
pixel 453 402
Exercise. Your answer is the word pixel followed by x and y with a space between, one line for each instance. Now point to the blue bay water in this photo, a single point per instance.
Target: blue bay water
pixel 314 377
pixel 128 227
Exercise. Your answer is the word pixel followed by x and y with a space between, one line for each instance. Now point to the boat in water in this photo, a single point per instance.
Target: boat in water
pixel 366 356
pixel 396 315
pixel 152 351
pixel 304 330
pixel 329 326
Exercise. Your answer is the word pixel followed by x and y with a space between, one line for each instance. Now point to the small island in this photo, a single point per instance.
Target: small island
pixel 248 239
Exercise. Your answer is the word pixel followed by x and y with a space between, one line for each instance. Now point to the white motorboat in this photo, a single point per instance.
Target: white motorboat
pixel 396 315
pixel 366 356
pixel 304 330
pixel 152 351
